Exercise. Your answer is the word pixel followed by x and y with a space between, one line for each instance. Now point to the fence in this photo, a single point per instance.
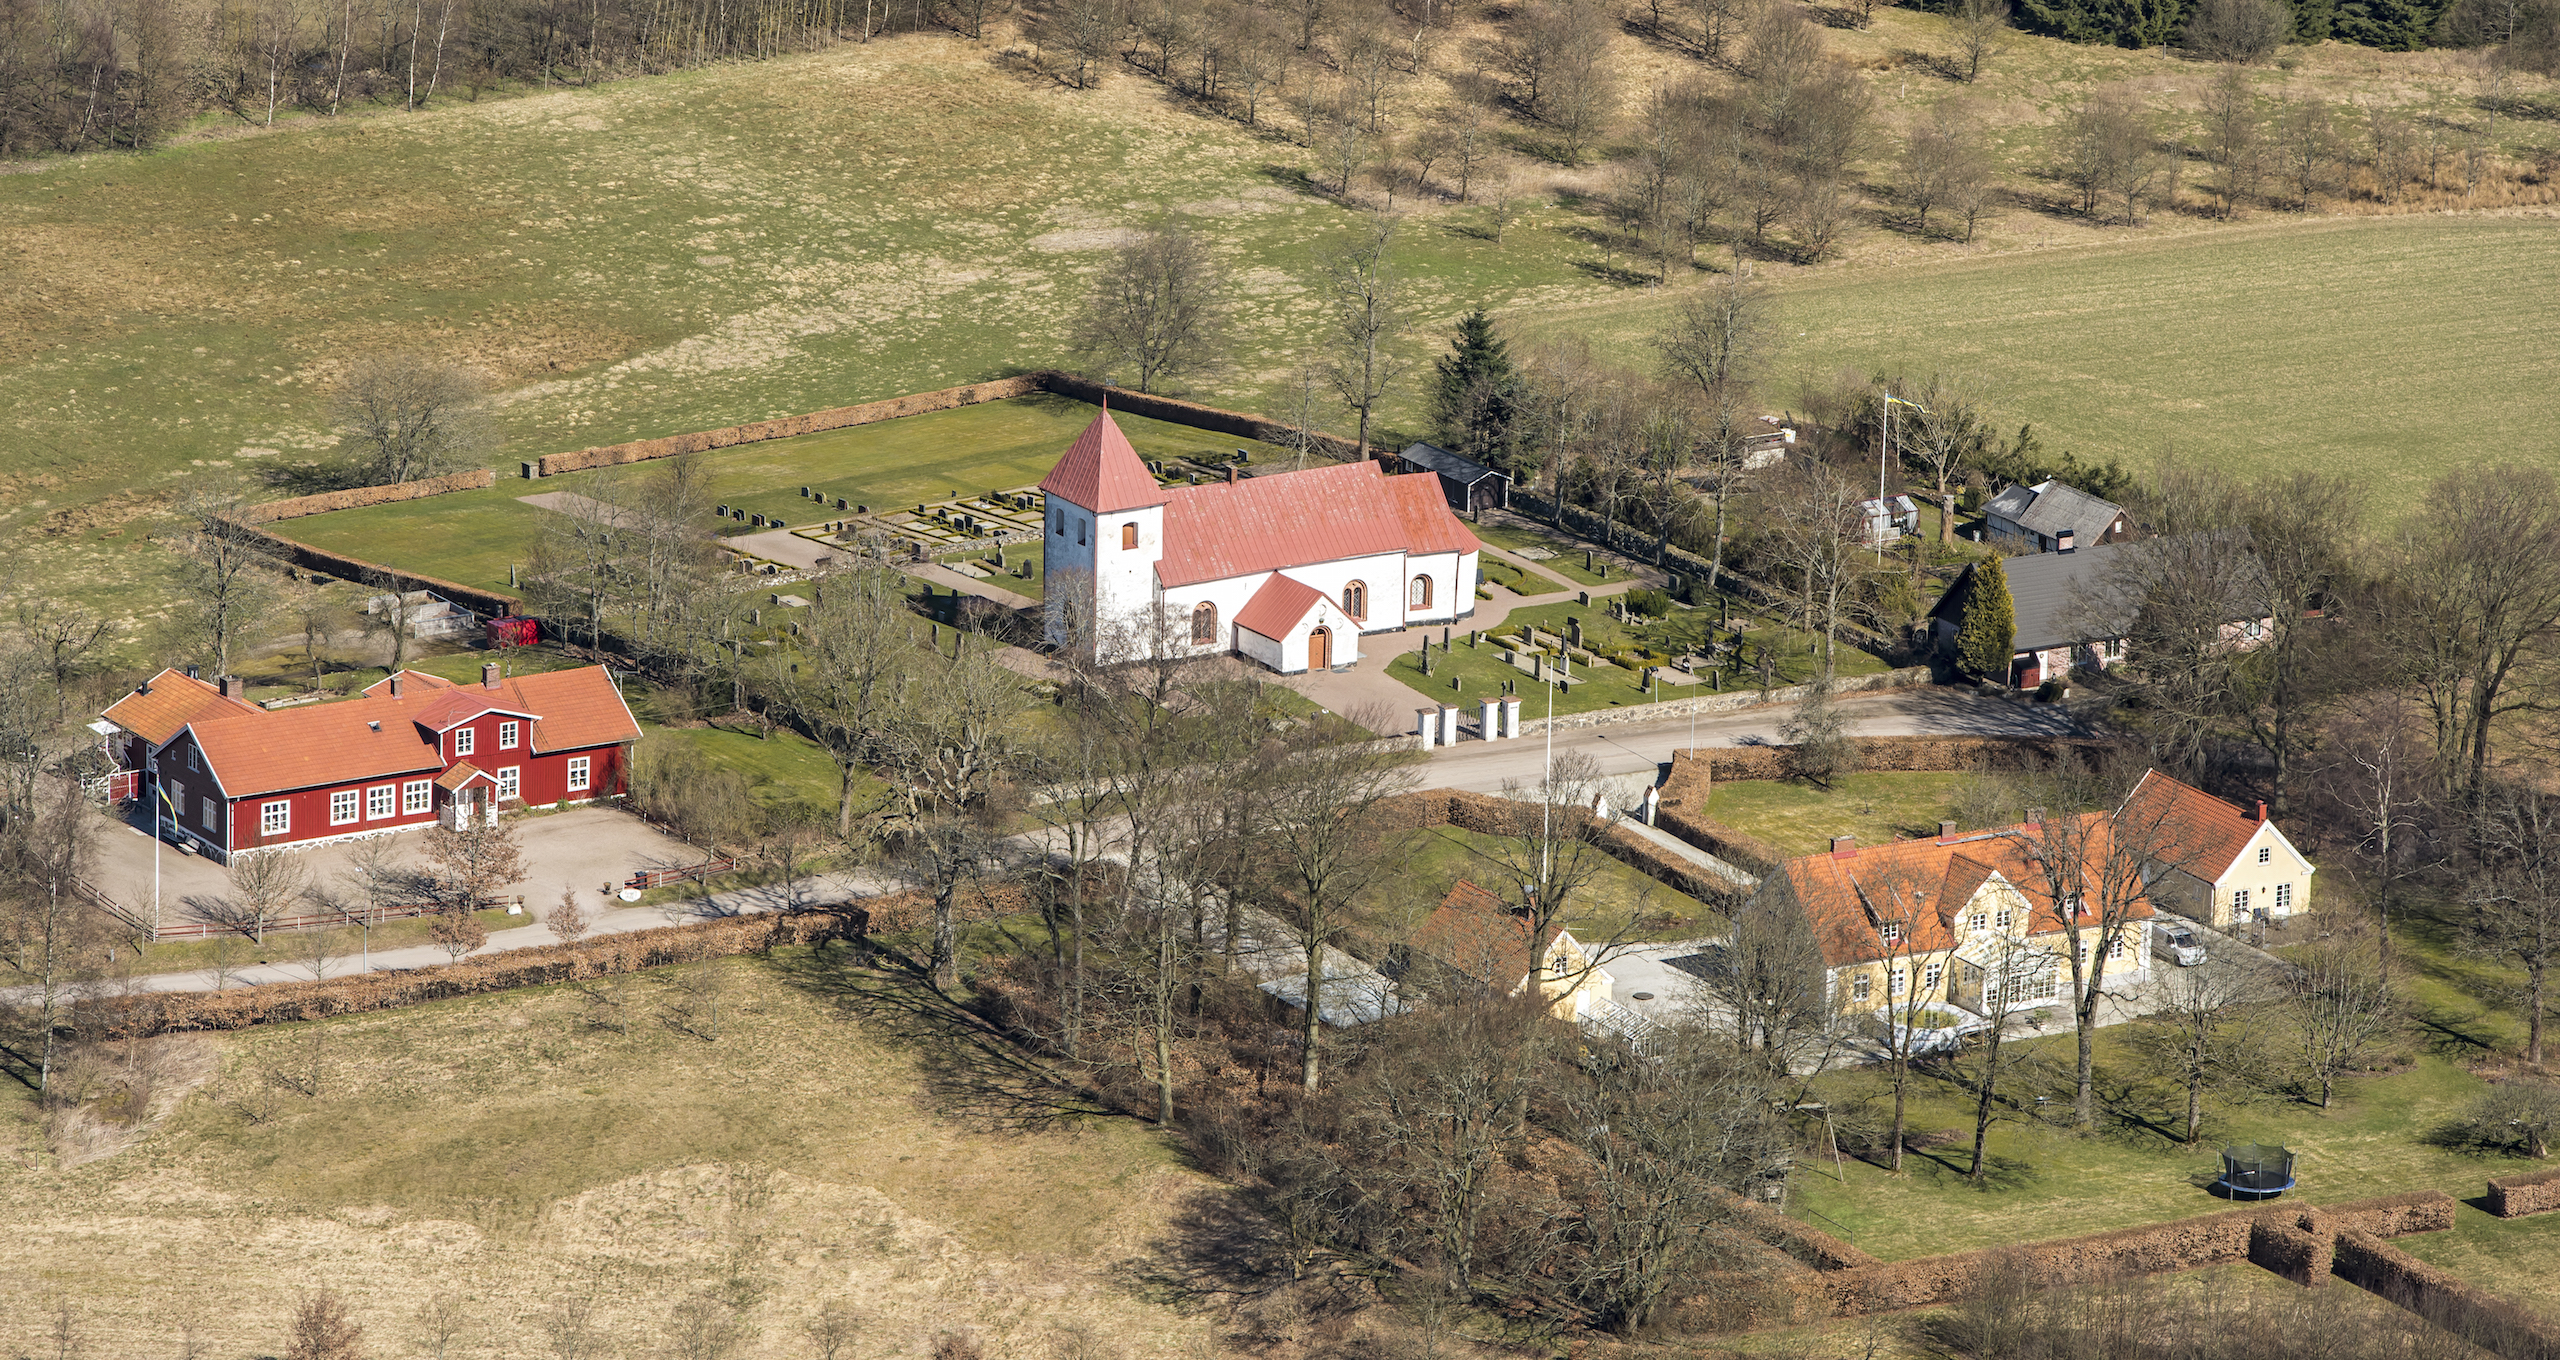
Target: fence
pixel 201 930
pixel 659 878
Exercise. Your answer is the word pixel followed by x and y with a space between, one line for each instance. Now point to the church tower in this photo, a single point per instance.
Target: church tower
pixel 1104 532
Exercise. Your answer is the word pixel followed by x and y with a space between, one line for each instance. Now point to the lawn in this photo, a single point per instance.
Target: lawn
pixel 1465 674
pixel 782 769
pixel 507 1151
pixel 288 948
pixel 1619 902
pixel 1801 818
pixel 473 536
pixel 1566 559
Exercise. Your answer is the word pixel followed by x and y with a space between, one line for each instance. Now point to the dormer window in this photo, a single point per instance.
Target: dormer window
pixel 462 741
pixel 506 736
pixel 1890 931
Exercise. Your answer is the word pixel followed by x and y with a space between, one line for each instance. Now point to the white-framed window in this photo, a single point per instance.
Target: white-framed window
pixel 1860 985
pixel 2239 901
pixel 416 796
pixel 1893 984
pixel 380 799
pixel 2041 986
pixel 1890 931
pixel 2115 947
pixel 2080 951
pixel 274 819
pixel 577 773
pixel 1976 921
pixel 2004 918
pixel 342 806
pixel 192 766
pixel 506 736
pixel 2266 854
pixel 462 741
pixel 2284 897
pixel 177 799
pixel 1929 980
pixel 204 814
pixel 508 780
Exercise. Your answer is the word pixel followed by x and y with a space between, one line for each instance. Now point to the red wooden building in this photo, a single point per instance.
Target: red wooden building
pixel 413 749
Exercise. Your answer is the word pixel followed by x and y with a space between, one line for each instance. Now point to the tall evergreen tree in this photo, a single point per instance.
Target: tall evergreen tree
pixel 1472 391
pixel 1987 632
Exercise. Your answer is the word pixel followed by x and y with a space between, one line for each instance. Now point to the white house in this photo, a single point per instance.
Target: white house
pixel 2222 866
pixel 1288 569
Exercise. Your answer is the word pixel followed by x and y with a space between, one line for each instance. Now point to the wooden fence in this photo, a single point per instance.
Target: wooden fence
pixel 659 878
pixel 193 929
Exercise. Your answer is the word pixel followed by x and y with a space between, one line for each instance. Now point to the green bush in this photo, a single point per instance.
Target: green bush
pixel 1648 601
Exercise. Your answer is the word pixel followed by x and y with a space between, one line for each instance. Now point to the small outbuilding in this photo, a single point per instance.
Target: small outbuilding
pixel 1469 485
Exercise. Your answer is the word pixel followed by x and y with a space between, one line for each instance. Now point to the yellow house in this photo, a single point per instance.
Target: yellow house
pixel 1482 937
pixel 2216 863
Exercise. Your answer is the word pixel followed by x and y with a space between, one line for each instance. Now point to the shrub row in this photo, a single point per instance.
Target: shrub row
pixel 2488 1322
pixel 2277 1234
pixel 2298 1248
pixel 473 480
pixel 838 418
pixel 2535 1192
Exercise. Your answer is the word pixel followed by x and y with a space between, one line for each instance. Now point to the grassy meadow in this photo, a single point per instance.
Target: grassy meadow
pixel 1801 818
pixel 509 1152
pixel 693 250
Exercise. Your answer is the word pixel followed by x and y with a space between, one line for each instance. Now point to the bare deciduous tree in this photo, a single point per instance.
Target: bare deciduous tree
pixel 1363 298
pixel 322 1330
pixel 569 920
pixel 1156 308
pixel 457 932
pixel 2204 1031
pixel 2514 895
pixel 222 571
pixel 2340 1003
pixel 264 885
pixel 474 862
pixel 409 417
pixel 1719 341
pixel 1981 28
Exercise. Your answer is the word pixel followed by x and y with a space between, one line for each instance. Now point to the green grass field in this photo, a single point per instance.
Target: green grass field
pixel 471 537
pixel 2387 348
pixel 1802 818
pixel 1618 903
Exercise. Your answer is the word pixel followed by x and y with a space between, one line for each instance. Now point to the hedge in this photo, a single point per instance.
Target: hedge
pixel 2299 1249
pixel 473 480
pixel 2536 1192
pixel 603 956
pixel 2491 1323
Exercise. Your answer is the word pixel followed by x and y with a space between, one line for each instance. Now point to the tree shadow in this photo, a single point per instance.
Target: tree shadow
pixel 1217 1249
pixel 973 1067
pixel 309 477
pixel 1617 274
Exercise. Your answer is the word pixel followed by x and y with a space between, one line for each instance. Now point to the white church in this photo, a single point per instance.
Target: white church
pixel 1287 569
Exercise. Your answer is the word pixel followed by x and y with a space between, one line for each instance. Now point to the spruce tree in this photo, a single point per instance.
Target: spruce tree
pixel 1471 391
pixel 1987 634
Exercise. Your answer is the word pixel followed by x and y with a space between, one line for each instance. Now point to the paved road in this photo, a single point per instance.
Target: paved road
pixel 1644 748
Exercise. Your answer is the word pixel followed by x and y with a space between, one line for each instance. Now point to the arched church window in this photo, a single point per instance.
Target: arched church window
pixel 1355 599
pixel 1419 597
pixel 1204 622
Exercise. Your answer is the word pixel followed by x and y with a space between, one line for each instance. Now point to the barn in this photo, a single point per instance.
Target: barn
pixel 411 750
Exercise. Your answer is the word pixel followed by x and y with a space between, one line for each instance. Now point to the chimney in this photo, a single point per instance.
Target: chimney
pixel 2262 809
pixel 2035 816
pixel 233 687
pixel 1946 833
pixel 488 675
pixel 192 673
pixel 1231 474
pixel 2066 540
pixel 395 684
pixel 1844 847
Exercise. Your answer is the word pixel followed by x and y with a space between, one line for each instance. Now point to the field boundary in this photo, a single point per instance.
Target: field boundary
pixel 382 493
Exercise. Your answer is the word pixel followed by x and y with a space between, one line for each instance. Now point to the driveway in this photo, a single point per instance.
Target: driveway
pixel 583 848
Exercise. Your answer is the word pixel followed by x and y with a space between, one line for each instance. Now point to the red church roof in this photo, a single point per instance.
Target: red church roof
pixel 1278 607
pixel 1102 473
pixel 1294 519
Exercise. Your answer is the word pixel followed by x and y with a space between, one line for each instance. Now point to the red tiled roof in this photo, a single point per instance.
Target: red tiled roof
pixel 407 678
pixel 1294 519
pixel 1102 473
pixel 376 737
pixel 2187 826
pixel 1278 607
pixel 1478 934
pixel 1924 884
pixel 167 702
pixel 463 772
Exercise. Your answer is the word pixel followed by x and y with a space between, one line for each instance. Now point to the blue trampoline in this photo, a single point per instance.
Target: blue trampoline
pixel 2256 1171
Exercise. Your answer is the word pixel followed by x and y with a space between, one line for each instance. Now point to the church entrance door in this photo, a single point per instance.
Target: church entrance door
pixel 1320 650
